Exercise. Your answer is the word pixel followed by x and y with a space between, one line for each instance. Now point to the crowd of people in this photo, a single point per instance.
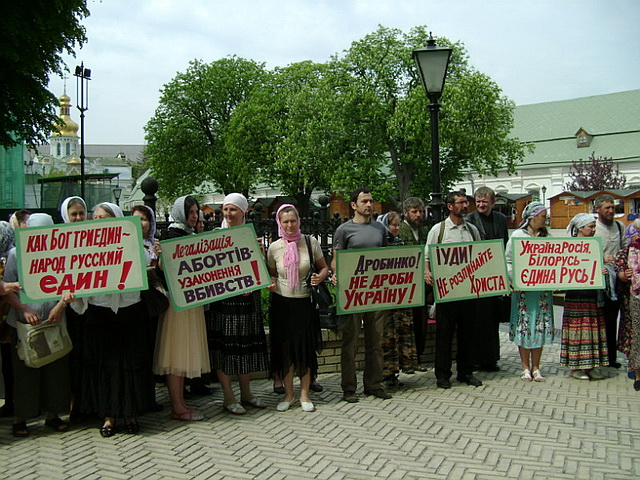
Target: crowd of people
pixel 121 351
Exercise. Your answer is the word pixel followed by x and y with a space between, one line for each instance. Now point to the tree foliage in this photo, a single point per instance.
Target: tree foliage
pixel 595 174
pixel 475 117
pixel 187 134
pixel 33 37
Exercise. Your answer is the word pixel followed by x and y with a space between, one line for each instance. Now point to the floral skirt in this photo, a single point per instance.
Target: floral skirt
pixel 531 323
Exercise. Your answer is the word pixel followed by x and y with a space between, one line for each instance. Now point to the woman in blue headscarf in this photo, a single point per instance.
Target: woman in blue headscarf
pixel 531 323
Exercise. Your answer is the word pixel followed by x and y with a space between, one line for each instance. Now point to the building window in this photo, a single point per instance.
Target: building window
pixel 583 138
pixel 59 150
pixel 68 149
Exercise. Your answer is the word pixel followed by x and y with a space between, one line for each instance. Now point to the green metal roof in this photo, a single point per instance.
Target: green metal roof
pixel 613 121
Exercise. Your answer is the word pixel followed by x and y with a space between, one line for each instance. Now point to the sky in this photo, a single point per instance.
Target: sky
pixel 536 51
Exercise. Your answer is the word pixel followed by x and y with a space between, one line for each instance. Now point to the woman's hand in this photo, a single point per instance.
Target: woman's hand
pixel 315 280
pixel 69 297
pixel 55 315
pixel 272 287
pixel 31 317
pixel 8 287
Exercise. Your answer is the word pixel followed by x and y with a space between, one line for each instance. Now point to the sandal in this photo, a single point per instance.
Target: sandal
pixel 108 430
pixel 526 376
pixel 57 424
pixel 20 429
pixel 537 376
pixel 235 408
pixel 188 416
pixel 254 402
pixel 279 389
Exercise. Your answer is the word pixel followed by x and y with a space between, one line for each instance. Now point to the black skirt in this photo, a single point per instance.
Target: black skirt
pixel 117 379
pixel 295 334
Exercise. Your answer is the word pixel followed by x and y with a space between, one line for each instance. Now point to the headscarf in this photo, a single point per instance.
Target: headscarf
pixel 630 231
pixel 110 208
pixel 14 222
pixel 64 208
pixel 39 220
pixel 152 223
pixel 239 201
pixel 291 257
pixel 579 221
pixel 7 237
pixel 530 211
pixel 179 214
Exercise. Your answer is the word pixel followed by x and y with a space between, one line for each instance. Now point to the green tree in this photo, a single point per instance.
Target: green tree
pixel 33 37
pixel 475 117
pixel 296 128
pixel 595 174
pixel 187 135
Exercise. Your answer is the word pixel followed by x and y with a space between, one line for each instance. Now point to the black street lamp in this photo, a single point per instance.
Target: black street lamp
pixel 117 192
pixel 432 62
pixel 82 75
pixel 544 191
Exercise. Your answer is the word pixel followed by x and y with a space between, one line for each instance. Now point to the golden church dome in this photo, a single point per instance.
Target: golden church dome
pixel 70 128
pixel 74 161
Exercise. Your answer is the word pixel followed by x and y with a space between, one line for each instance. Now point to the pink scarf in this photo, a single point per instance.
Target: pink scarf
pixel 291 258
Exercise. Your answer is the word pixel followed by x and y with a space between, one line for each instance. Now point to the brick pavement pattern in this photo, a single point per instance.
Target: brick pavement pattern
pixel 560 429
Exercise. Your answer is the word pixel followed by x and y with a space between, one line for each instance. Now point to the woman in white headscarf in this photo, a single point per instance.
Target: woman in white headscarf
pixel 72 210
pixel 44 389
pixel 584 339
pixel 237 340
pixel 116 378
pixel 181 344
pixel 531 325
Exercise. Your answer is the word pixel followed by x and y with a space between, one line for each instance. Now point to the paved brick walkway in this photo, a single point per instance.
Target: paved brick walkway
pixel 560 429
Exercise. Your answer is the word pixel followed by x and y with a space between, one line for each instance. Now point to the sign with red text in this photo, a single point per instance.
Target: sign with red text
pixel 573 263
pixel 379 278
pixel 463 271
pixel 84 258
pixel 207 267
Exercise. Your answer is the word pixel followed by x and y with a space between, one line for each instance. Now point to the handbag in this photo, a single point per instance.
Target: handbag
pixel 320 295
pixel 42 344
pixel 155 297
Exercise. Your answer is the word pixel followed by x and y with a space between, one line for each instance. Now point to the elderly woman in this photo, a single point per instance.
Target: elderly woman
pixel 398 346
pixel 116 379
pixel 623 289
pixel 73 209
pixel 44 389
pixel 629 337
pixel 584 339
pixel 531 322
pixel 237 342
pixel 6 243
pixel 295 323
pixel 148 224
pixel 181 345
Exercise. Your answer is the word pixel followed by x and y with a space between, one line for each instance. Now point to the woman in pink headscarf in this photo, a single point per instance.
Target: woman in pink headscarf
pixel 295 326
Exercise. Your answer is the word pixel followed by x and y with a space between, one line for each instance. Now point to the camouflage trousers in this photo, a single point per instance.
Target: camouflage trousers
pixel 398 343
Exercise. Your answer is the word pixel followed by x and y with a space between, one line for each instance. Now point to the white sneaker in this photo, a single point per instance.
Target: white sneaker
pixel 284 406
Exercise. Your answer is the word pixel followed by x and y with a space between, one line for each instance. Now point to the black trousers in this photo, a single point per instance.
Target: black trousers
pixel 611 310
pixel 452 317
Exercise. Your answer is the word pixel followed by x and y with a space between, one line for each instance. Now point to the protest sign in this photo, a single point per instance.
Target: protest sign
pixel 211 266
pixel 379 278
pixel 468 270
pixel 84 258
pixel 557 263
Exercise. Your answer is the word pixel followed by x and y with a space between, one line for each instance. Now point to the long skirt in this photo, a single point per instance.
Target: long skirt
pixel 237 342
pixel 39 390
pixel 181 344
pixel 295 336
pixel 633 354
pixel 116 373
pixel 584 338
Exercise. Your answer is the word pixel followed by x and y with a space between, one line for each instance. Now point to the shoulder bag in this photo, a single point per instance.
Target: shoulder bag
pixel 40 345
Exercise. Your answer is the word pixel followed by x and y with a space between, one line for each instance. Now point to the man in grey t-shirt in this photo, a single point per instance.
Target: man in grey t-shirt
pixel 361 232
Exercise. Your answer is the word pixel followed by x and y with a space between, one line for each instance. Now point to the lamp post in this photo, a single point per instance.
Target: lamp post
pixel 544 192
pixel 117 191
pixel 82 75
pixel 432 62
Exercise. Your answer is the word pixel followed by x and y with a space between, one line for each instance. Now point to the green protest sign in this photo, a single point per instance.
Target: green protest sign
pixel 572 263
pixel 468 270
pixel 211 266
pixel 379 278
pixel 84 258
